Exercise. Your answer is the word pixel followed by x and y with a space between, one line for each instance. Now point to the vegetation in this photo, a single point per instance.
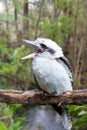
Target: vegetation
pixel 63 21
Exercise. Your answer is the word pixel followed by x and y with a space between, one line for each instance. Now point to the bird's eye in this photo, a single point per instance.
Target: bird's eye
pixel 43 46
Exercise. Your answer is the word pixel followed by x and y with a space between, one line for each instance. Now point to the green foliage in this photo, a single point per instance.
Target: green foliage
pixel 79 116
pixel 14 72
pixel 8 120
pixel 3 126
pixel 16 124
pixel 58 30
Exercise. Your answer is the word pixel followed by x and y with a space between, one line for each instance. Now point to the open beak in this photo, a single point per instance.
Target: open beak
pixel 29 56
pixel 35 45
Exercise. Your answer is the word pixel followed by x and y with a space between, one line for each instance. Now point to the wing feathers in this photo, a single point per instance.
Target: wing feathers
pixel 65 62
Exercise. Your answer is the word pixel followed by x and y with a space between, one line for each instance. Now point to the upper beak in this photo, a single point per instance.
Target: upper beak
pixel 34 44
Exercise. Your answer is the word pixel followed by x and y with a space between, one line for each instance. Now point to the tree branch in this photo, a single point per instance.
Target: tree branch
pixel 77 97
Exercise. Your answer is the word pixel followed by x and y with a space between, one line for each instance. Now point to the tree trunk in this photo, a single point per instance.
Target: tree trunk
pixel 38 19
pixel 7 10
pixel 25 19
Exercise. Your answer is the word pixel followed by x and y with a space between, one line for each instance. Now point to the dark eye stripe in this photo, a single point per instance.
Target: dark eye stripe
pixel 43 46
pixel 51 51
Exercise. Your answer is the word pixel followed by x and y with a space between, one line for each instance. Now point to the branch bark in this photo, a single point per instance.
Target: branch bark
pixel 77 97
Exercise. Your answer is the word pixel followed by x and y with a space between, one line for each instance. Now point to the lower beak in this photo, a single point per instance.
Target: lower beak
pixel 29 56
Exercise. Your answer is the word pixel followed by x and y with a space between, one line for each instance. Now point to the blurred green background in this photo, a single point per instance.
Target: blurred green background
pixel 65 22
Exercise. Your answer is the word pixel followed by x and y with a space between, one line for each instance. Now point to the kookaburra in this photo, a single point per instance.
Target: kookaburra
pixel 52 72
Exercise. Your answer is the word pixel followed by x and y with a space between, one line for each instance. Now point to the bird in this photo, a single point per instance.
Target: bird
pixel 52 72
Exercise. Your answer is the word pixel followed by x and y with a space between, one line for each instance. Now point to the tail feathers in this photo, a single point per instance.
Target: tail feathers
pixel 65 117
pixel 66 120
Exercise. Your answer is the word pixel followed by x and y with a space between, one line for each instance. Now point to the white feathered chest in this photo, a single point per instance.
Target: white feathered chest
pixel 51 76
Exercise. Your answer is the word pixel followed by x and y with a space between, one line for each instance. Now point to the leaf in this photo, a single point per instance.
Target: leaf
pixel 3 126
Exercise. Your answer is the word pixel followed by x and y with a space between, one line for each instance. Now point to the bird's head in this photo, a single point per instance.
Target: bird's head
pixel 42 45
